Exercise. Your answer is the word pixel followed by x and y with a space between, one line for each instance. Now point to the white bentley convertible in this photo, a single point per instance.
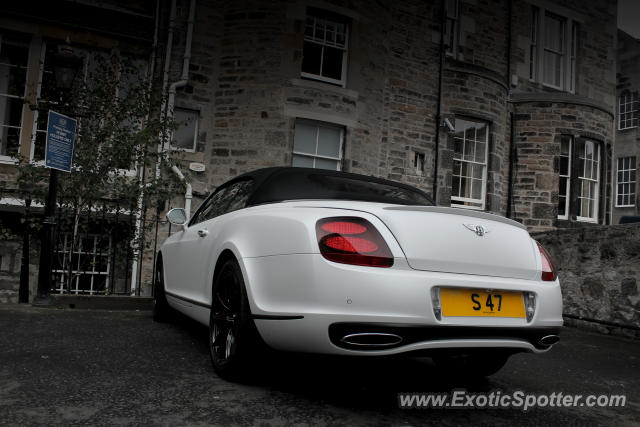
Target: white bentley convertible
pixel 327 262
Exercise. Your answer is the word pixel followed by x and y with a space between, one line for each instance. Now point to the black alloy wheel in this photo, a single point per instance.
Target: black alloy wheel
pixel 161 309
pixel 232 334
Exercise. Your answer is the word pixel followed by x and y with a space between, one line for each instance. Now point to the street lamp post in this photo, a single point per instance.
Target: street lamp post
pixel 65 67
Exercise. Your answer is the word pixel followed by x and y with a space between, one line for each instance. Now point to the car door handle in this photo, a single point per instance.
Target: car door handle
pixel 203 233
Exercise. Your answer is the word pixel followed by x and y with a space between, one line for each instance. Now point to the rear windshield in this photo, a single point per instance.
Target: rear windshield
pixel 368 190
pixel 301 184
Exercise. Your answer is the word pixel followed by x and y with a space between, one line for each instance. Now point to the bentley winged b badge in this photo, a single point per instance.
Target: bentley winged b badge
pixel 478 229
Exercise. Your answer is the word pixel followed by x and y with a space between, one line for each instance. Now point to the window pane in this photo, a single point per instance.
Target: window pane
pixel 236 197
pixel 328 141
pixel 477 171
pixel 304 140
pixel 302 161
pixel 552 68
pixel 455 187
pixel 332 63
pixel 311 58
pixel 13 68
pixel 564 165
pixel 476 188
pixel 11 111
pixel 185 135
pixel 553 33
pixel 562 201
pixel 9 141
pixel 326 164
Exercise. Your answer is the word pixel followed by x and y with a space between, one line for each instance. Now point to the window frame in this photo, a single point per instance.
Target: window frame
pixel 537 49
pixel 345 49
pixel 581 178
pixel 632 167
pixel 485 171
pixel 195 219
pixel 630 101
pixel 317 125
pixel 76 271
pixel 568 176
pixel 195 133
pixel 7 158
pixel 451 37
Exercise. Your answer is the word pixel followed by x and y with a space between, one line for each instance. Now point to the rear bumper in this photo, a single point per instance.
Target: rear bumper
pixel 303 303
pixel 412 334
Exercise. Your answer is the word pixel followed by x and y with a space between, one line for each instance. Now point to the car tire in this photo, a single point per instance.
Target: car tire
pixel 233 338
pixel 161 309
pixel 472 365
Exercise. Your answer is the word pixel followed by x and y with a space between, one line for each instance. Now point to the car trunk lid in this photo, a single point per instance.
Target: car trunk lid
pixel 459 241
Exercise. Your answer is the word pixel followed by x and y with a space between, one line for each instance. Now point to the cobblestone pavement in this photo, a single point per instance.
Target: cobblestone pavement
pixel 96 367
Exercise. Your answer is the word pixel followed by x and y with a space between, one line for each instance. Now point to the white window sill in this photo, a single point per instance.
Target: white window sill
pixel 625 206
pixel 589 220
pixel 475 208
pixel 6 160
pixel 340 83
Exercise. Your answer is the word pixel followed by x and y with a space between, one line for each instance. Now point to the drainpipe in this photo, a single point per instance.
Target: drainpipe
pixel 184 79
pixel 512 165
pixel 439 108
pixel 188 195
pixel 512 133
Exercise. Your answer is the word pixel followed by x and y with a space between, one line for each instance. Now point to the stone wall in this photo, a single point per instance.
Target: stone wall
pixel 10 264
pixel 599 270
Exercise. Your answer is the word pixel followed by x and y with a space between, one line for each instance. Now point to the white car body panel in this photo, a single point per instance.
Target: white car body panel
pixel 295 294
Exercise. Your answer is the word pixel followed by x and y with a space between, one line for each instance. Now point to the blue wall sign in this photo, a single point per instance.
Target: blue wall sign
pixel 60 134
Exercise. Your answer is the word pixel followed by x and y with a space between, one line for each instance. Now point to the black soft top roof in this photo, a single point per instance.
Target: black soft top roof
pixel 278 184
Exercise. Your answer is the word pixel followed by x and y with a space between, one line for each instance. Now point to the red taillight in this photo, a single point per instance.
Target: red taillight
pixel 352 240
pixel 344 227
pixel 548 270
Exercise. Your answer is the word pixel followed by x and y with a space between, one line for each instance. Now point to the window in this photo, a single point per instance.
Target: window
pixel 418 163
pixel 565 176
pixel 317 145
pixel 185 136
pixel 89 265
pixel 629 110
pixel 579 174
pixel 451 27
pixel 588 180
pixel 626 182
pixel 469 164
pixel 324 55
pixel 14 58
pixel 224 200
pixel 552 50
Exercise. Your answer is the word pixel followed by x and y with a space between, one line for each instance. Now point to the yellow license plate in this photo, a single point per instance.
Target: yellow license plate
pixel 477 303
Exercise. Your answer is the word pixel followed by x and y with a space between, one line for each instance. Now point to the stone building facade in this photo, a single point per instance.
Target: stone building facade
pixel 527 88
pixel 627 147
pixel 495 105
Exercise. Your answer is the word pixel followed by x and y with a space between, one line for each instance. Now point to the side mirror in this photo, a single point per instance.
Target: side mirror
pixel 177 216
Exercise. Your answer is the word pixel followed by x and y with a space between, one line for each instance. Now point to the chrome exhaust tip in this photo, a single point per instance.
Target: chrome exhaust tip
pixel 372 339
pixel 549 340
